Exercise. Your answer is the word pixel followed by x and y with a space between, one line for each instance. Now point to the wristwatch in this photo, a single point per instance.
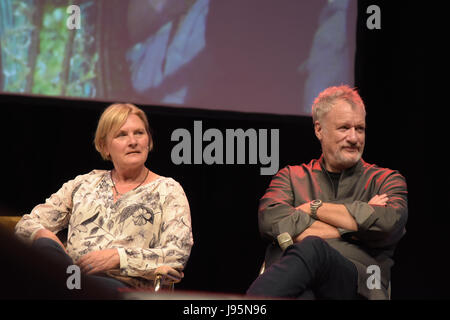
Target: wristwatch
pixel 314 205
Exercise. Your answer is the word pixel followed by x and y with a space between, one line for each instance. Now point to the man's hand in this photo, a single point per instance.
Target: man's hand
pixel 379 200
pixel 99 261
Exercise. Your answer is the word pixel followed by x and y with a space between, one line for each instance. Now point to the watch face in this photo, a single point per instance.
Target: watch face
pixel 316 202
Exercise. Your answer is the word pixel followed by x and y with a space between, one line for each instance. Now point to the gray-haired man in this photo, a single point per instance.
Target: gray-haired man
pixel 345 216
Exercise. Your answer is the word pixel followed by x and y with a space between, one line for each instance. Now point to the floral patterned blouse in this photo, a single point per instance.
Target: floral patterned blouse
pixel 150 226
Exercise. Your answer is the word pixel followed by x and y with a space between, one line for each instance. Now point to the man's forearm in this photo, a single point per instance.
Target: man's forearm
pixel 333 214
pixel 337 215
pixel 319 229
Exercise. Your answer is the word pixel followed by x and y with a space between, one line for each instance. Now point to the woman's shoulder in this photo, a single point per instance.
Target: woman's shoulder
pixel 163 180
pixel 93 176
pixel 166 183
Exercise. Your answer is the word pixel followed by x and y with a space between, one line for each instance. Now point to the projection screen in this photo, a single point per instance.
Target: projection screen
pixel 261 56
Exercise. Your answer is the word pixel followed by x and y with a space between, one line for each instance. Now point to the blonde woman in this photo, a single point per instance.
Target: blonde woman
pixel 122 223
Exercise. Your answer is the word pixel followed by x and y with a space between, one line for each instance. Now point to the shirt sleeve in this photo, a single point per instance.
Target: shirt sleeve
pixel 382 226
pixel 53 215
pixel 277 213
pixel 175 241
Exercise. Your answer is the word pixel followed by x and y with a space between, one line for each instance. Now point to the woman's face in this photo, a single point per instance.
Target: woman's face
pixel 128 147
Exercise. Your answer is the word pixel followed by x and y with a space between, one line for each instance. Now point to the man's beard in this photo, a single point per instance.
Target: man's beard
pixel 347 161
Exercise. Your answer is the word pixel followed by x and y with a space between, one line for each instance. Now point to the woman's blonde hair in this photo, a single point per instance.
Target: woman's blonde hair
pixel 112 119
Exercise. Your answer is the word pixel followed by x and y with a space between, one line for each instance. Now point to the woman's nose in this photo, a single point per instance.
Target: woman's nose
pixel 132 140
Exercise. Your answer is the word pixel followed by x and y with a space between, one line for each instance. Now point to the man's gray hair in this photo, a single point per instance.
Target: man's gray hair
pixel 328 97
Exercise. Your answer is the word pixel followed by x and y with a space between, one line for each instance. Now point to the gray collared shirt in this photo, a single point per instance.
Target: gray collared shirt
pixel 379 227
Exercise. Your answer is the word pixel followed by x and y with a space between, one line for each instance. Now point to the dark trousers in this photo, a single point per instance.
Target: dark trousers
pixel 55 252
pixel 311 265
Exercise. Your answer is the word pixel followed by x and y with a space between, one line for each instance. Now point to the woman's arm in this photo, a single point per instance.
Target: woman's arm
pixel 51 216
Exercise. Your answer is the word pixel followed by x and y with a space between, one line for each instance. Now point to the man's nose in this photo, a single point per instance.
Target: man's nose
pixel 352 136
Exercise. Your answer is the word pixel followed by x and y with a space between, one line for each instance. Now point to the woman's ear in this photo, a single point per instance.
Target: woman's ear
pixel 104 150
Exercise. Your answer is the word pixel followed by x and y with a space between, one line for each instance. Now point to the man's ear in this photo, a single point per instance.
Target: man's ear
pixel 318 130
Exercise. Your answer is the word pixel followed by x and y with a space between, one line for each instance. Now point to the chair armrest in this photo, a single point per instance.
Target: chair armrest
pixel 9 222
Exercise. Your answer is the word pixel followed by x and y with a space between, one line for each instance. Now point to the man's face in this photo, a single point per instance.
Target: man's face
pixel 342 136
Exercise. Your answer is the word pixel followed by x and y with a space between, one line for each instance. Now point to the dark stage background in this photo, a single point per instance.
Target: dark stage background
pixel 47 141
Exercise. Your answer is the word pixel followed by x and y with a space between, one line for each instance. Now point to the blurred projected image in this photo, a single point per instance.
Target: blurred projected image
pixel 241 55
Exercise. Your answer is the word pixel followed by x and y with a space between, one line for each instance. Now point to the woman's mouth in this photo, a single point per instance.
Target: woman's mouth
pixel 133 152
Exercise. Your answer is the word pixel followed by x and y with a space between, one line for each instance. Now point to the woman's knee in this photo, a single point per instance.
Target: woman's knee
pixel 45 243
pixel 52 249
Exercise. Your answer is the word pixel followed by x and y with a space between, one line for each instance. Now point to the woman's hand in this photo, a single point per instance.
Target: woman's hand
pixel 99 261
pixel 170 273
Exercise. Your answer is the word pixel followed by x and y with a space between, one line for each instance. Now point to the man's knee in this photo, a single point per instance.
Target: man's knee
pixel 312 249
pixel 309 243
pixel 313 240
